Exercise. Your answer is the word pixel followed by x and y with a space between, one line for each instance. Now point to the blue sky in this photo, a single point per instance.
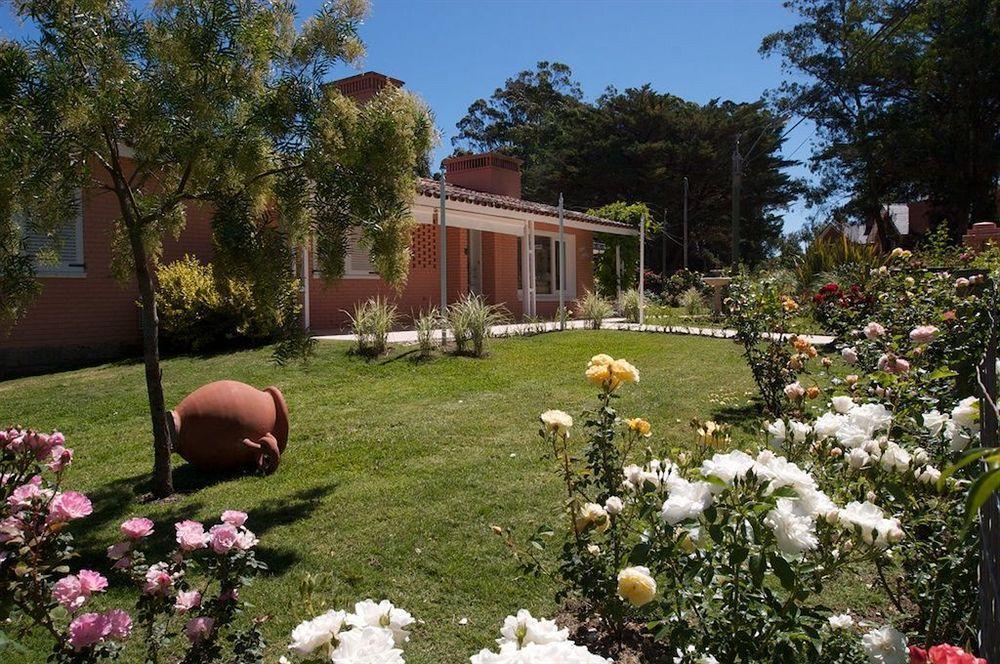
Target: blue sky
pixel 452 52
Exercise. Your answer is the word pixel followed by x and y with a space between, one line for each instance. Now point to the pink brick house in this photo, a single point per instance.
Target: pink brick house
pixel 494 238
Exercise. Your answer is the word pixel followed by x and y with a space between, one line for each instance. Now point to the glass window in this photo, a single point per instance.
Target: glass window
pixel 58 253
pixel 543 265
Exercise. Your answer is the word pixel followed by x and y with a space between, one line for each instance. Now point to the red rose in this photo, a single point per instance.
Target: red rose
pixel 943 654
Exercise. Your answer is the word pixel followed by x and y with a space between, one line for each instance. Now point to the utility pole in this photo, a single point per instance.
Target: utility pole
pixel 663 245
pixel 737 182
pixel 685 222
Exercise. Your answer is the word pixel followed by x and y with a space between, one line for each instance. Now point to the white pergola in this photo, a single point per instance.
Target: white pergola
pixel 446 212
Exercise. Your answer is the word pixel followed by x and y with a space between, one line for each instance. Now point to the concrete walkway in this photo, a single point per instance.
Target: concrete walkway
pixel 406 337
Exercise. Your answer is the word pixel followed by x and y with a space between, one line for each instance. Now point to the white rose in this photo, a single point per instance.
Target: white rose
pixel 557 422
pixel 524 629
pixel 614 505
pixel 966 413
pixel 382 614
pixel 310 635
pixel 842 621
pixel 687 500
pixel 896 458
pixel 935 422
pixel 929 475
pixel 842 404
pixel 366 645
pixel 777 431
pixel 795 534
pixel 885 646
pixel 857 458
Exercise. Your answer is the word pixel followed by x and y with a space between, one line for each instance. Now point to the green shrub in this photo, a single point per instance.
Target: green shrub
pixel 693 302
pixel 199 311
pixel 678 283
pixel 371 322
pixel 471 319
pixel 594 308
pixel 628 304
pixel 427 323
pixel 834 255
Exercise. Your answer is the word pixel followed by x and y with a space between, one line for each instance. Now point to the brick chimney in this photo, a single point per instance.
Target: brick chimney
pixel 363 87
pixel 490 172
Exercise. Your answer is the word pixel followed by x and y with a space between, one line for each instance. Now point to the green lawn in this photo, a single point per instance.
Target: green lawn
pixel 395 469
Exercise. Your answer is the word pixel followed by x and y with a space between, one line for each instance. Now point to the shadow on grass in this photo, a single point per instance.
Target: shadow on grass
pixel 118 500
pixel 744 417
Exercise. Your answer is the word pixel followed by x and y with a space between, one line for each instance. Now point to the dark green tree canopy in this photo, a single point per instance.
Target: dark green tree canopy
pixel 905 96
pixel 638 145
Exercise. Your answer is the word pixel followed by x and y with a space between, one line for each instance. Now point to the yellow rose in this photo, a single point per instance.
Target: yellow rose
pixel 624 371
pixel 640 426
pixel 636 586
pixel 600 374
pixel 788 304
pixel 557 422
pixel 600 360
pixel 592 513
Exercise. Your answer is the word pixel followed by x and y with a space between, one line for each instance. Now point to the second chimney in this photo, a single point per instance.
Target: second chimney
pixel 363 87
pixel 492 172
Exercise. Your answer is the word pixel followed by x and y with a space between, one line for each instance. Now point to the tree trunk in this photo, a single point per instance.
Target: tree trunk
pixel 163 484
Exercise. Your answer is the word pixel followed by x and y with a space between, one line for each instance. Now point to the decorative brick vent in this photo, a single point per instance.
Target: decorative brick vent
pixel 424 246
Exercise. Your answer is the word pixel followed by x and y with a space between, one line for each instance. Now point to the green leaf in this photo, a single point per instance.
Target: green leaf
pixel 783 571
pixel 980 491
pixel 941 372
pixel 969 457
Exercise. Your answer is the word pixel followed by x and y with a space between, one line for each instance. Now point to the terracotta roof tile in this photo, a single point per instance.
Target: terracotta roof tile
pixel 431 188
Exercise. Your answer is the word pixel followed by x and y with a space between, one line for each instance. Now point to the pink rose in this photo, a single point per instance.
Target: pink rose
pixel 231 595
pixel 119 624
pixel 91 581
pixel 850 355
pixel 69 593
pixel 234 518
pixel 10 528
pixel 873 331
pixel 223 537
pixel 794 391
pixel 119 550
pixel 246 540
pixel 892 364
pixel 87 630
pixel 199 629
pixel 187 600
pixel 69 506
pixel 61 457
pixel 122 563
pixel 158 582
pixel 191 535
pixel 137 528
pixel 27 493
pixel 923 334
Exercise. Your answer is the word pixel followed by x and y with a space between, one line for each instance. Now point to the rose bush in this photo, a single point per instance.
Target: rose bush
pixel 194 592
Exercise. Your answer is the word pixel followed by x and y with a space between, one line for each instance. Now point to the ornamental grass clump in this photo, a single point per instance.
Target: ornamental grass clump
pixel 628 305
pixel 595 308
pixel 693 302
pixel 471 320
pixel 427 323
pixel 371 323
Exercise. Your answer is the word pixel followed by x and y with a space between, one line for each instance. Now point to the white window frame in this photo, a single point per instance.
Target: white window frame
pixel 76 268
pixel 568 292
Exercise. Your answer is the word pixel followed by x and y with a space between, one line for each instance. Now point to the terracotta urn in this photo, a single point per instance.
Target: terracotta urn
pixel 228 425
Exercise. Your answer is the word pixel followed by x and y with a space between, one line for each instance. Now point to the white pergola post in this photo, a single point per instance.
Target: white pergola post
pixel 642 271
pixel 618 270
pixel 562 267
pixel 305 285
pixel 532 276
pixel 443 260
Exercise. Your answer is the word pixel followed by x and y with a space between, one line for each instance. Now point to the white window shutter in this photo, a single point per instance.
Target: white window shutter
pixel 358 259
